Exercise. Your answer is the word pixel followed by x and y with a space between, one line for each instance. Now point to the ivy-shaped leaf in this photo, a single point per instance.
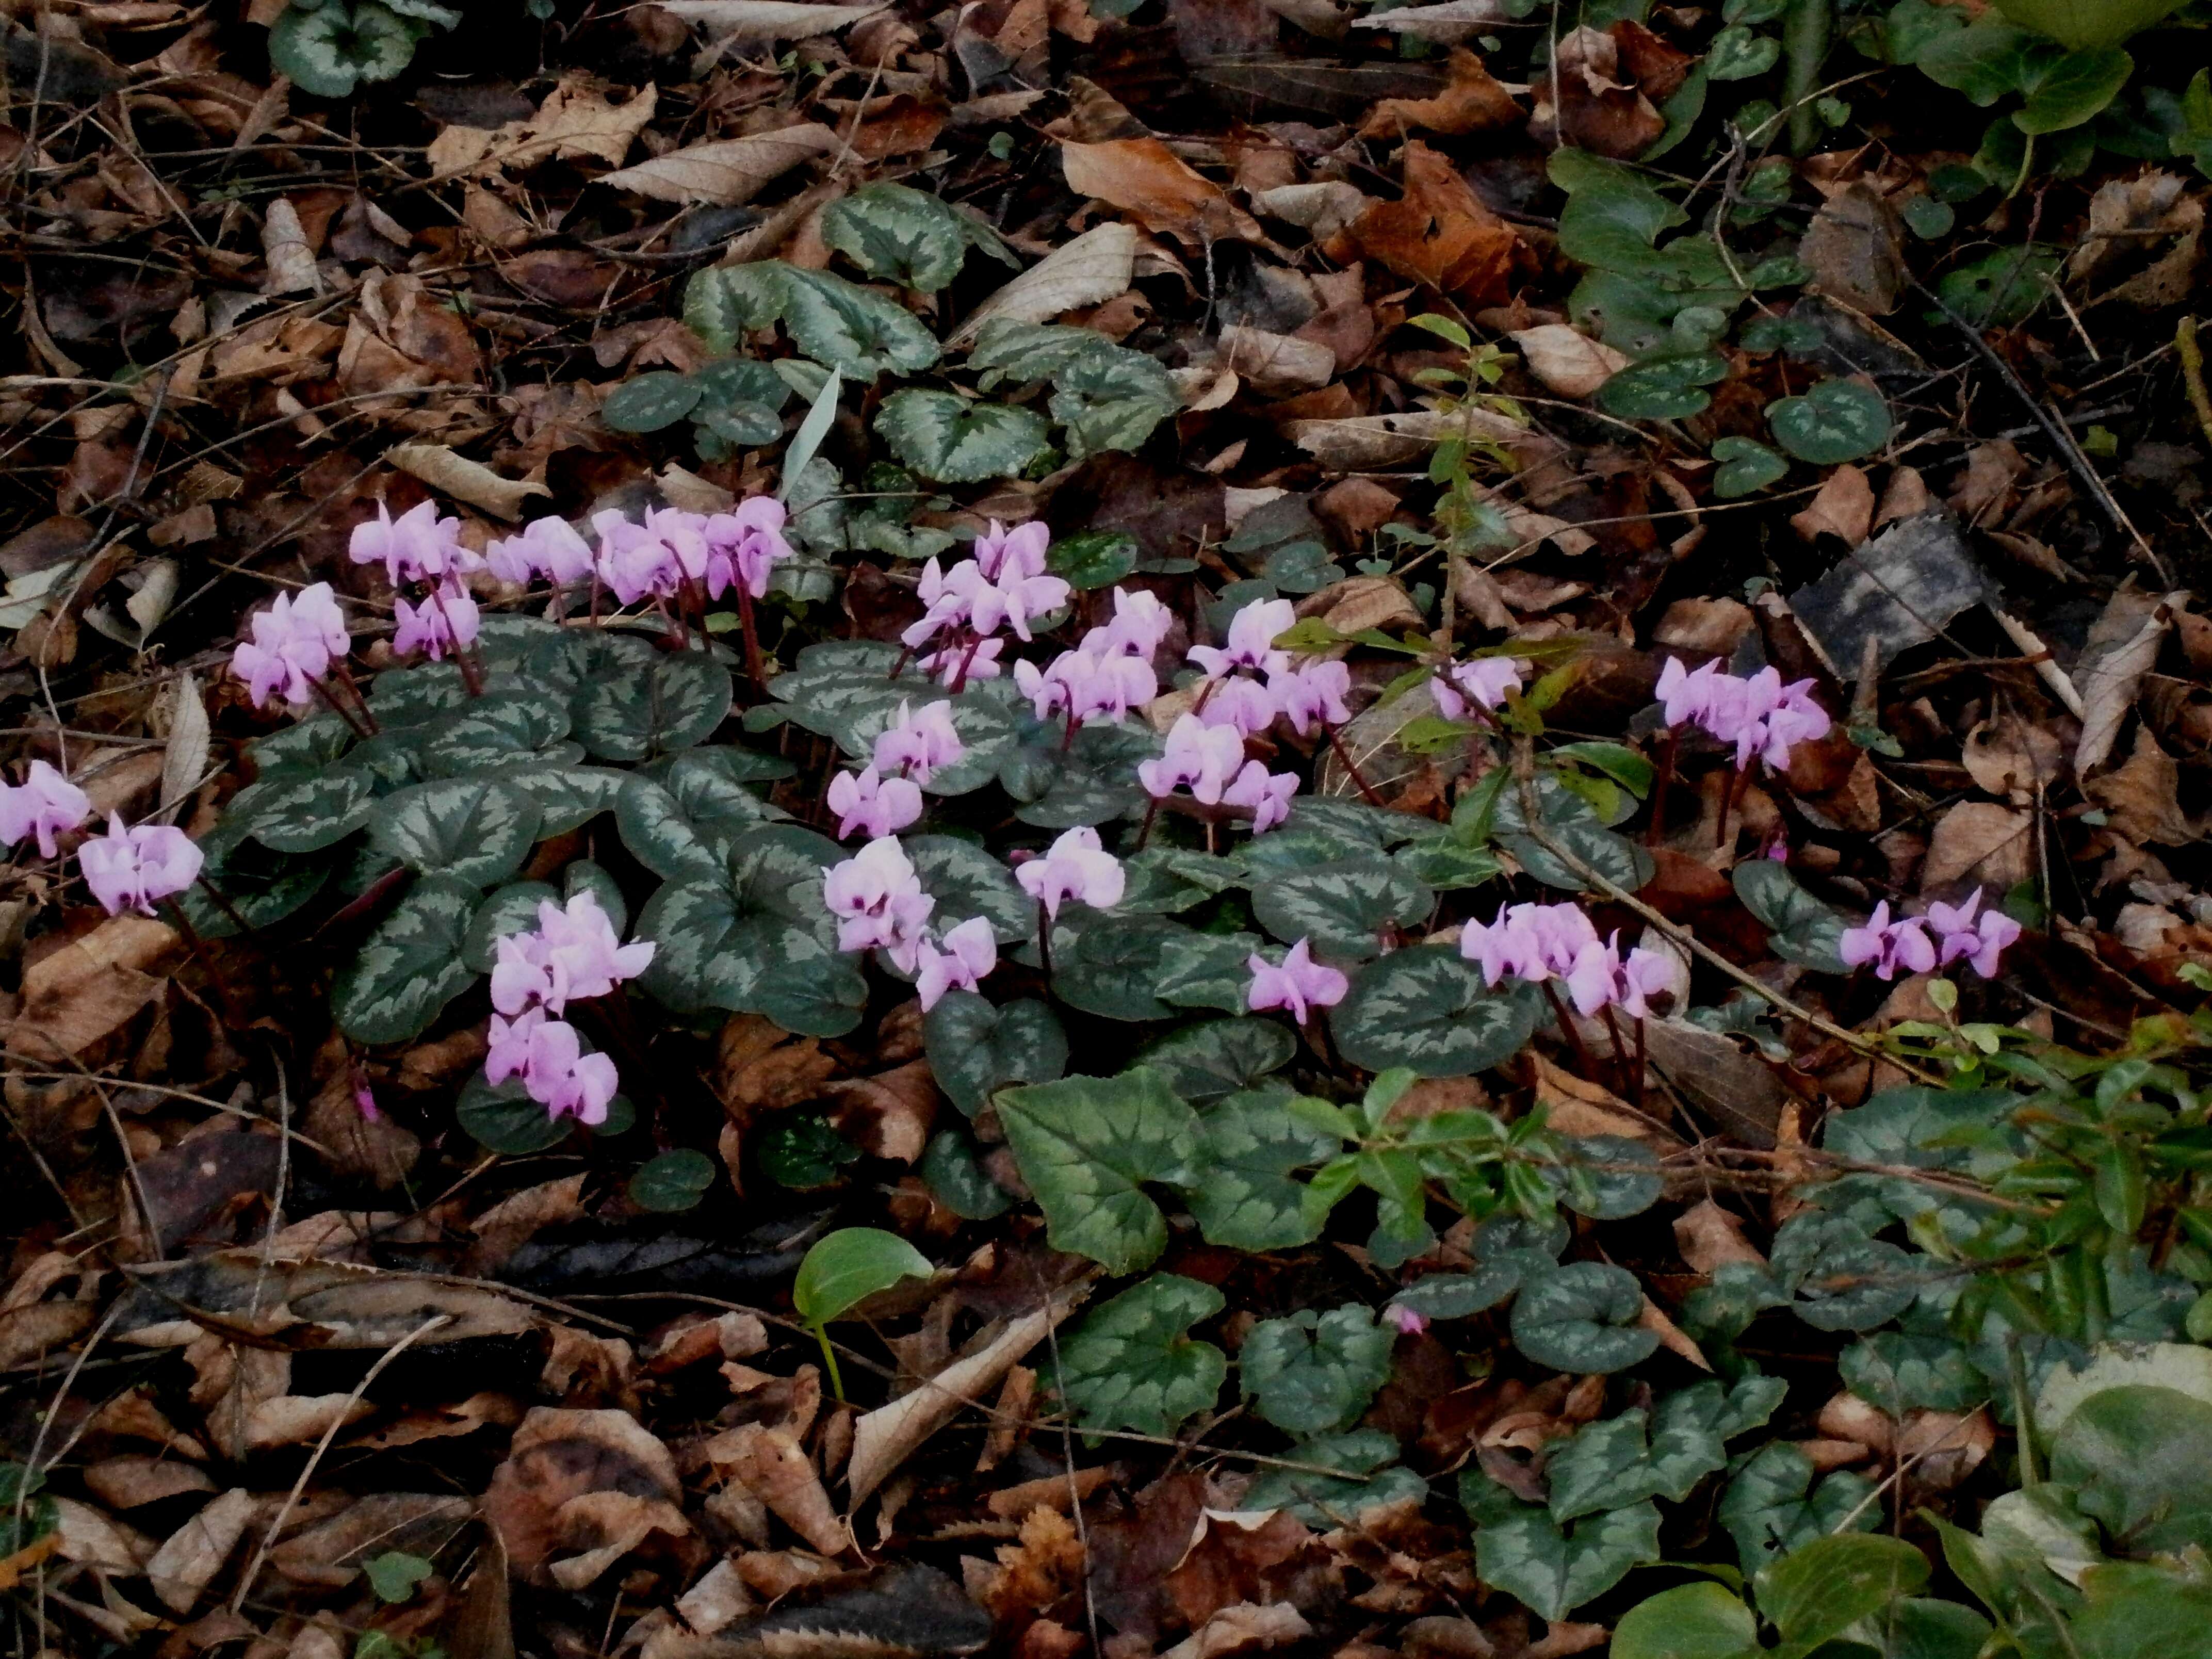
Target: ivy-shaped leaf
pixel 1553 1569
pixel 1844 1280
pixel 1582 1318
pixel 637 702
pixel 503 1118
pixel 1250 1199
pixel 1836 421
pixel 1086 1146
pixel 1427 1008
pixel 860 331
pixel 1668 388
pixel 943 436
pixel 308 812
pixel 1607 1177
pixel 729 939
pixel 259 887
pixel 327 49
pixel 1611 1464
pixel 966 881
pixel 567 797
pixel 1746 467
pixel 646 402
pixel 1347 910
pixel 1205 970
pixel 957 1180
pixel 474 830
pixel 913 240
pixel 1772 1506
pixel 1217 1058
pixel 975 1049
pixel 1133 1363
pixel 1804 930
pixel 410 967
pixel 1314 1373
pixel 501 728
pixel 1371 1477
pixel 1111 966
pixel 512 910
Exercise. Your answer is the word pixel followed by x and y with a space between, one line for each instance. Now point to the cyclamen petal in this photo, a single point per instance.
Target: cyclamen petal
pixel 1312 695
pixel 1251 642
pixel 867 800
pixel 293 642
pixel 133 869
pixel 1300 985
pixel 1245 706
pixel 1268 795
pixel 744 546
pixel 41 806
pixel 1075 867
pixel 877 897
pixel 446 623
pixel 1482 683
pixel 918 742
pixel 1202 758
pixel 970 953
pixel 1888 945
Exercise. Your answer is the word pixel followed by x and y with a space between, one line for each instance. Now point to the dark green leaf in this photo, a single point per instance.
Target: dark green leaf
pixel 1086 1146
pixel 957 1180
pixel 944 437
pixel 1347 910
pixel 1663 388
pixel 1093 558
pixel 501 728
pixel 474 830
pixel 1805 931
pixel 1690 1621
pixel 1326 1502
pixel 639 702
pixel 672 1181
pixel 845 1268
pixel 860 331
pixel 394 1574
pixel 1314 1373
pixel 410 967
pixel 1133 1364
pixel 646 402
pixel 975 1049
pixel 1249 1199
pixel 1582 1318
pixel 305 814
pixel 1818 1591
pixel 1745 468
pixel 1836 421
pixel 512 910
pixel 895 232
pixel 1772 1506
pixel 1426 1007
pixel 1217 1058
pixel 257 886
pixel 2074 89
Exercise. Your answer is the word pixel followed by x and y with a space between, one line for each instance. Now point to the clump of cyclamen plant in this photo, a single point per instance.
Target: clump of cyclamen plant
pixel 1963 933
pixel 1004 585
pixel 131 868
pixel 573 954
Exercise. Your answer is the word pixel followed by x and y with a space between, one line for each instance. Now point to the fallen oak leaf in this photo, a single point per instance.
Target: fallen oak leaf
pixel 465 480
pixel 1440 233
pixel 1095 267
pixel 1146 179
pixel 1472 102
pixel 725 170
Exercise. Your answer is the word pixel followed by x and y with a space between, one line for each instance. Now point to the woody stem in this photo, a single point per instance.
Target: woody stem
pixel 1344 758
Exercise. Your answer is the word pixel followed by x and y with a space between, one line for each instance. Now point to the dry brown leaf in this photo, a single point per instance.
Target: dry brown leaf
pixel 2011 757
pixel 576 122
pixel 78 993
pixel 1567 361
pixel 1842 508
pixel 1244 1628
pixel 1672 1337
pixel 558 1457
pixel 1980 840
pixel 1439 231
pixel 90 1539
pixel 1367 443
pixel 770 1463
pixel 300 1420
pixel 1048 1560
pixel 125 1483
pixel 329 1551
pixel 507 1225
pixel 1323 208
pixel 1855 248
pixel 717 1600
pixel 885 1438
pixel 1576 1107
pixel 1276 365
pixel 1703 628
pixel 1599 109
pixel 2142 798
pixel 39 1329
pixel 463 479
pixel 2127 213
pixel 285 250
pixel 725 170
pixel 1094 268
pixel 189 1558
pixel 1147 181
pixel 1472 102
pixel 1709 1237
pixel 739 21
pixel 1943 1448
pixel 1361 602
pixel 2123 644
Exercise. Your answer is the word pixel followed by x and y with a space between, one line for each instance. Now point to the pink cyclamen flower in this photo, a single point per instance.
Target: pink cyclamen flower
pixel 43 806
pixel 417 546
pixel 684 533
pixel 549 1056
pixel 1685 694
pixel 1266 794
pixel 957 664
pixel 1140 624
pixel 916 742
pixel 1976 940
pixel 1018 553
pixel 444 623
pixel 1481 683
pixel 633 561
pixel 548 547
pixel 130 869
pixel 984 594
pixel 1202 758
pixel 1087 685
pixel 744 546
pixel 877 898
pixel 1300 985
pixel 1531 942
pixel 1601 977
pixel 1758 715
pixel 868 800
pixel 1251 642
pixel 1405 1320
pixel 1888 945
pixel 364 1100
pixel 1312 695
pixel 572 954
pixel 293 642
pixel 970 953
pixel 1245 707
pixel 1075 867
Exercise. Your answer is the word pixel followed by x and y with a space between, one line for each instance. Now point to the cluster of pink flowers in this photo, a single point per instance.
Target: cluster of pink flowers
pixel 884 797
pixel 1759 715
pixel 1536 943
pixel 1234 694
pixel 1961 935
pixel 294 643
pixel 1075 867
pixel 1209 760
pixel 1299 985
pixel 1480 684
pixel 131 868
pixel 420 549
pixel 673 551
pixel 572 955
pixel 1109 673
pixel 877 898
pixel 1005 584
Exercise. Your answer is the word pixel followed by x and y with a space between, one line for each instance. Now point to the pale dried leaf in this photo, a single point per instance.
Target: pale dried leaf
pixel 189 1558
pixel 300 1420
pixel 1247 1626
pixel 1842 508
pixel 1094 268
pixel 1365 443
pixel 771 1464
pixel 78 993
pixel 463 479
pixel 285 250
pixel 740 20
pixel 2123 645
pixel 1323 208
pixel 1277 364
pixel 90 1539
pixel 1567 361
pixel 1982 840
pixel 1710 1237
pixel 725 170
pixel 1448 22
pixel 184 763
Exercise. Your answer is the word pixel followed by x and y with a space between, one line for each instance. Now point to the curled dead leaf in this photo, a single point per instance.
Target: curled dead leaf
pixel 1567 361
pixel 463 479
pixel 725 170
pixel 1147 181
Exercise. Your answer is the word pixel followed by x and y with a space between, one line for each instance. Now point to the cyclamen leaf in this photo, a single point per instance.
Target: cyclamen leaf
pixel 1836 421
pixel 636 702
pixel 957 1180
pixel 1582 1318
pixel 474 830
pixel 258 886
pixel 503 1118
pixel 1426 1007
pixel 966 881
pixel 1805 931
pixel 1323 1502
pixel 837 323
pixel 914 239
pixel 726 940
pixel 307 813
pixel 1250 1199
pixel 567 796
pixel 1133 1364
pixel 674 1181
pixel 501 728
pixel 975 1049
pixel 512 910
pixel 410 967
pixel 1772 1506
pixel 1086 1146
pixel 1205 970
pixel 1217 1058
pixel 1816 1592
pixel 1555 1571
pixel 646 402
pixel 1345 909
pixel 943 436
pixel 1111 967
pixel 1314 1373
pixel 326 50
pixel 1844 1279
pixel 1744 467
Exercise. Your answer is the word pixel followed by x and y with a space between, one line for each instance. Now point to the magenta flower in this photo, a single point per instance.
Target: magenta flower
pixel 548 547
pixel 417 546
pixel 634 563
pixel 1005 584
pixel 958 663
pixel 1405 1320
pixel 1300 985
pixel 443 625
pixel 1018 553
pixel 877 898
pixel 1075 867
pixel 1201 758
pixel 364 1099
pixel 745 544
pixel 916 744
pixel 1888 945
pixel 1251 641
pixel 1312 695
pixel 685 535
pixel 1085 685
pixel 1600 978
pixel 1759 715
pixel 1976 940
pixel 293 642
pixel 132 869
pixel 970 953
pixel 1245 707
pixel 1686 694
pixel 867 800
pixel 1268 794
pixel 549 1056
pixel 43 806
pixel 1531 942
pixel 572 955
pixel 1140 624
pixel 1481 683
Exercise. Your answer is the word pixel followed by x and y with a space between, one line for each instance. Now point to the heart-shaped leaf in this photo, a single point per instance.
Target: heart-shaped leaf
pixel 1554 1569
pixel 957 1180
pixel 845 1268
pixel 410 967
pixel 1805 930
pixel 502 728
pixel 1844 1280
pixel 1582 1317
pixel 1814 1594
pixel 975 1049
pixel 2078 88
pixel 1111 966
pixel 1086 1146
pixel 1610 1464
pixel 637 702
pixel 1093 558
pixel 1217 1058
pixel 1314 1373
pixel 307 813
pixel 257 886
pixel 1772 1506
pixel 1663 388
pixel 1206 970
pixel 1347 910
pixel 512 910
pixel 503 1118
pixel 1607 1177
pixel 476 831
pixel 860 331
pixel 1133 1364
pixel 727 939
pixel 1427 1008
pixel 1692 1621
pixel 646 402
pixel 1250 1199
pixel 674 1181
pixel 966 881
pixel 912 239
pixel 328 50
pixel 943 436
pixel 1737 54
pixel 567 797
pixel 1836 421
pixel 1372 1478
pixel 1746 467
